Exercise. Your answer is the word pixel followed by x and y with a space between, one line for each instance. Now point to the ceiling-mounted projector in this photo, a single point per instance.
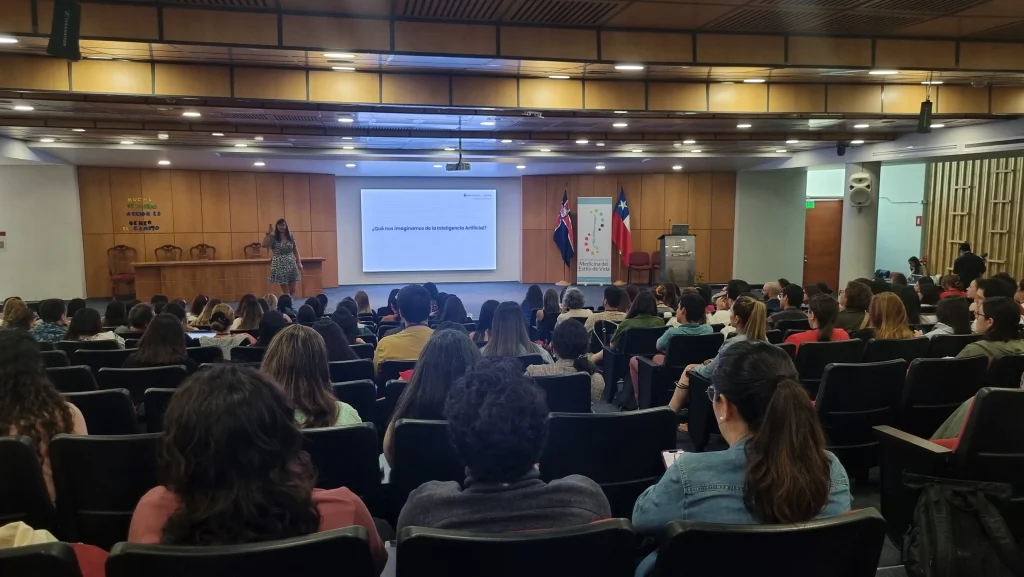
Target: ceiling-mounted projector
pixel 457 166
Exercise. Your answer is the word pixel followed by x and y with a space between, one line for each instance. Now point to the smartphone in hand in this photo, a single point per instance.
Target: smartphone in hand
pixel 670 457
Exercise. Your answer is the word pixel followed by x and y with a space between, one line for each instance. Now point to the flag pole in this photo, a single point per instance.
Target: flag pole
pixel 563 282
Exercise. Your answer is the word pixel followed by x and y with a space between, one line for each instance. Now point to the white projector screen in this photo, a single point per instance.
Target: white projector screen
pixel 407 230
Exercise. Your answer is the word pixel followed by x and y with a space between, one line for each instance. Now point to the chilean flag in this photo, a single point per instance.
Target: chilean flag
pixel 621 235
pixel 563 231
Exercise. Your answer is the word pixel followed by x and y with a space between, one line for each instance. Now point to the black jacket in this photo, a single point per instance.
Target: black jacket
pixel 968 267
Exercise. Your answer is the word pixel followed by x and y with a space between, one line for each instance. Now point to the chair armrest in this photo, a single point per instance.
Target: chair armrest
pixel 900 452
pixel 649 375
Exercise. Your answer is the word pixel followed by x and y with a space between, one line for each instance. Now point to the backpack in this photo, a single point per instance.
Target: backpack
pixel 957 531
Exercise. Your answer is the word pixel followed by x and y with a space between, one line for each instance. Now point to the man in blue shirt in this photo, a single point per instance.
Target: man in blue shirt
pixel 54 326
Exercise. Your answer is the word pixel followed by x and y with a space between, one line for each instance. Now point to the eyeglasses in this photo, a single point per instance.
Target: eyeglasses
pixel 712 393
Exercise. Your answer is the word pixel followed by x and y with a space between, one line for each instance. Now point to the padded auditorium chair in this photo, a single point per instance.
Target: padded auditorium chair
pixel 888 349
pixel 361 395
pixel 363 351
pixel 934 389
pixel 793 325
pixel 386 404
pixel 813 357
pixel 156 401
pixel 842 546
pixel 701 419
pixel 109 412
pixel 599 549
pixel 44 346
pixel 423 452
pixel 250 354
pixel 602 335
pixel 790 349
pixel 345 457
pixel 44 560
pixel 75 379
pixel 949 345
pixel 96 360
pixel 347 548
pixel 632 343
pixel 54 358
pixel 638 261
pixel 203 355
pixel 392 370
pixel 138 380
pixel 70 347
pixel 656 382
pixel 23 493
pixel 527 360
pixel 566 393
pixel 348 371
pixel 1005 371
pixel 774 336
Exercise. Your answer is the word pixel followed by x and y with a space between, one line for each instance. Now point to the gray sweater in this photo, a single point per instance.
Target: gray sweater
pixel 523 505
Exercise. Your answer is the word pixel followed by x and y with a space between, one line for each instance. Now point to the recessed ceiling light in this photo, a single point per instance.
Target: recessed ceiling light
pixel 637 150
pixel 856 142
pixel 77 130
pixel 521 167
pixel 164 162
pixel 8 40
pixel 163 136
pixel 449 149
pixel 545 150
pixel 629 67
pixel 861 125
pixel 46 140
pixel 345 68
pixel 781 150
pixel 689 141
pixel 338 55
pixel 938 126
pixel 600 144
pixel 259 163
pixel 558 77
pixel 932 82
pixel 506 140
pixel 241 145
pixel 126 142
pixel 217 134
pixel 910 147
pixel 350 165
pixel 743 126
pixel 792 141
pixel 883 72
pixel 348 148
pixel 438 166
pixel 621 111
pixel 754 81
pixel 346 138
pixel 346 120
pixel 582 141
pixel 677 167
pixel 698 150
pixel 258 138
pixel 599 167
pixel 620 125
pixel 23 108
pixel 191 114
pixel 487 123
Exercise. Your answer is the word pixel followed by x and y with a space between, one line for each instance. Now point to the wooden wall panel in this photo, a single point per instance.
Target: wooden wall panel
pixel 269 200
pixel 415 89
pixel 244 203
pixel 219 26
pixel 723 201
pixel 153 241
pixel 546 93
pixel 29 73
pixel 125 183
pixel 216 201
pixel 492 92
pixel 189 80
pixel 296 202
pixel 322 201
pixel 652 200
pixel 614 95
pixel 155 184
pixel 16 16
pixel 220 241
pixel 646 46
pixel 700 200
pixel 94 199
pixel 97 273
pixel 535 245
pixel 552 43
pixel 445 38
pixel 111 77
pixel 720 256
pixel 677 200
pixel 677 96
pixel 702 266
pixel 325 244
pixel 187 196
pixel 534 189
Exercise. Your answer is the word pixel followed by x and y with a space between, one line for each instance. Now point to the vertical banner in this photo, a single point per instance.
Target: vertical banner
pixel 594 240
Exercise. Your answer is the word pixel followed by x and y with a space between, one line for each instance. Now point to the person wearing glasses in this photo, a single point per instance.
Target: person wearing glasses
pixel 776 469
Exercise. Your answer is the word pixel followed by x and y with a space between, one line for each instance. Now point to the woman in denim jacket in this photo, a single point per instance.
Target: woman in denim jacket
pixel 776 469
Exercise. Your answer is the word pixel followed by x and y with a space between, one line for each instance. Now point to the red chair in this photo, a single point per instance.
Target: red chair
pixel 640 261
pixel 119 264
pixel 656 266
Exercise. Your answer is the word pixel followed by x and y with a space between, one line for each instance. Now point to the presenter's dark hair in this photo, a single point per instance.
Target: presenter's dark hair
pixel 287 230
pixel 51 310
pixel 414 303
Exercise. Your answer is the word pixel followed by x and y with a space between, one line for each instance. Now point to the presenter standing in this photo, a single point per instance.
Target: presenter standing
pixel 285 262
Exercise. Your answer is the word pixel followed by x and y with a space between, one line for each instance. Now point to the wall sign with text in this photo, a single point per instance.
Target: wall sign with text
pixel 141 214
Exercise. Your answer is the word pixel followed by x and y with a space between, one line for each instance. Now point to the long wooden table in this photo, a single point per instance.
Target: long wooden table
pixel 227 280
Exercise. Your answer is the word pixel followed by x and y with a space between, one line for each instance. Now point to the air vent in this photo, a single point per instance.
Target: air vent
pixel 1013 32
pixel 1013 142
pixel 569 12
pixel 453 9
pixel 760 20
pixel 837 4
pixel 302 119
pixel 852 23
pixel 223 3
pixel 936 7
pixel 242 116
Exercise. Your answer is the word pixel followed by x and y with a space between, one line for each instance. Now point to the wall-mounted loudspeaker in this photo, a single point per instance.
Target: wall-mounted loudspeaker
pixel 860 189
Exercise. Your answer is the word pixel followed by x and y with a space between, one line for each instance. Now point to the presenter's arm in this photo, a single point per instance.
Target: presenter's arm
pixel 266 239
pixel 298 259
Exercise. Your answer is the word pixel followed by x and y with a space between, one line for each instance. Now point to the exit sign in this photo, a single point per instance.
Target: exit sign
pixel 810 204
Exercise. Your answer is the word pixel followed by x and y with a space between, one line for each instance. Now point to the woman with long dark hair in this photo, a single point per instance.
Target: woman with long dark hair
pixel 271 323
pixel 954 317
pixel 822 312
pixel 285 262
pixel 534 300
pixel 249 313
pixel 115 316
pixel 284 306
pixel 198 304
pixel 911 303
pixel 444 359
pixel 29 403
pixel 509 337
pixel 453 310
pixel 392 314
pixel 776 469
pixel 550 306
pixel 483 323
pixel 162 344
pixel 338 348
pixel 87 326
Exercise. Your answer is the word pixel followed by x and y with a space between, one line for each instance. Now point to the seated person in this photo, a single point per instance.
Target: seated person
pixel 115 315
pixel 284 306
pixel 498 422
pixel 771 292
pixel 247 316
pixel 570 342
pixel 414 307
pixel 821 314
pixel 690 316
pixel 17 315
pixel 53 322
pixel 391 311
pixel 271 323
pixel 178 312
pixel 306 315
pixel 138 319
pixel 234 472
pixel 220 323
pixel 954 318
pixel 573 304
pixel 951 286
pixel 162 345
pixel 552 306
pixel 776 469
pixel 888 318
pixel 453 311
pixel 348 324
pixel 733 290
pixel 509 337
pixel 338 348
pixel 482 334
pixel 789 306
pixel 667 297
pixel 911 303
pixel 349 304
pixel 643 313
pixel 88 326
pixel 854 302
pixel 613 310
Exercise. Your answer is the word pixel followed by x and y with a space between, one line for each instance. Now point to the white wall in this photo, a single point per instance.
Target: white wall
pixel 769 237
pixel 509 217
pixel 826 182
pixel 39 212
pixel 901 193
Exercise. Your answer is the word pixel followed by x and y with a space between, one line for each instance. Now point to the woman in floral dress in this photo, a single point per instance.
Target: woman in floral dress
pixel 285 263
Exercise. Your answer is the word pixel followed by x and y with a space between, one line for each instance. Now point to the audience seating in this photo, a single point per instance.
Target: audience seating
pixel 601 549
pixel 344 551
pixel 813 357
pixel 602 335
pixel 44 560
pixel 23 494
pixel 363 351
pixel 878 350
pixel 545 327
pixel 99 480
pixel 423 452
pixel 852 399
pixel 361 395
pixel 793 325
pixel 70 347
pixel 934 389
pixel 842 546
pixel 988 449
pixel 75 379
pixel 250 354
pixel 131 343
pixel 345 457
pixel 391 370
pixel 368 340
pixel 634 342
pixel 383 328
pixel 44 346
pixel 774 336
pixel 347 371
pixel 949 345
pixel 97 360
pixel 205 354
pixel 566 393
pixel 790 349
pixel 1005 371
pixel 639 261
pixel 717 327
pixel 657 382
pixel 108 412
pixel 208 366
pixel 156 401
pixel 619 451
pixel 527 360
pixel 386 403
pixel 701 418
pixel 254 333
pixel 138 380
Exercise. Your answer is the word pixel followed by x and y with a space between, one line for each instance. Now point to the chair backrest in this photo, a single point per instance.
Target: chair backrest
pixel 527 360
pixel 54 358
pixel 70 347
pixel 250 354
pixel 603 331
pixel 23 493
pixel 97 360
pixel 345 457
pixel 390 370
pixel 423 452
pixel 935 388
pixel 203 251
pixel 619 451
pixel 851 400
pixel 813 357
pixel 566 393
pixel 774 336
pixel 841 546
pixel 138 380
pixel 361 395
pixel 790 349
pixel 44 346
pixel 386 406
pixel 989 448
pixel 167 252
pixel 1005 371
pixel 75 379
pixel 346 548
pixel 205 354
pixel 120 259
pixel 600 549
pixel 656 258
pixel 252 250
pixel 639 259
pixel 347 371
pixel 99 480
pixel 56 559
pixel 949 345
pixel 686 350
pixel 156 401
pixel 702 422
pixel 363 351
pixel 109 412
pixel 641 340
pixel 793 325
pixel 131 343
pixel 889 349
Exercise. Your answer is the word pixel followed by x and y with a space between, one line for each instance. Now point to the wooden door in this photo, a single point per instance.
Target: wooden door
pixel 823 233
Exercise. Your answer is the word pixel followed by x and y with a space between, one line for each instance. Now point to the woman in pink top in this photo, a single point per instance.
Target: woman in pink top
pixel 29 404
pixel 233 471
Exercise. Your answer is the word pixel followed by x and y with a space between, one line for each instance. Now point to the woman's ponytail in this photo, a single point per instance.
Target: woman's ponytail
pixel 583 364
pixel 754 316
